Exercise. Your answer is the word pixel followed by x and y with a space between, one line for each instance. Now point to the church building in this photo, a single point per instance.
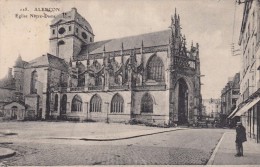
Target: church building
pixel 150 78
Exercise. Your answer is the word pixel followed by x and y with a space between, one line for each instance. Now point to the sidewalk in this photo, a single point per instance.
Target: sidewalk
pixel 226 150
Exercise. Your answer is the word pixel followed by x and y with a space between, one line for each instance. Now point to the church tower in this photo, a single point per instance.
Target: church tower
pixel 69 31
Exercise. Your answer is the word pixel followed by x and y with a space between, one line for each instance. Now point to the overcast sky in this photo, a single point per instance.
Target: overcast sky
pixel 208 22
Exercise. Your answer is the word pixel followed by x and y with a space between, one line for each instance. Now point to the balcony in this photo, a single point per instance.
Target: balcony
pixel 150 87
pixel 119 87
pixel 91 88
pixel 184 62
pixel 76 89
pixel 60 89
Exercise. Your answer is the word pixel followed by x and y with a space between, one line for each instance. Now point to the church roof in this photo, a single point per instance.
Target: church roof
pixel 20 63
pixel 72 15
pixel 149 39
pixel 48 60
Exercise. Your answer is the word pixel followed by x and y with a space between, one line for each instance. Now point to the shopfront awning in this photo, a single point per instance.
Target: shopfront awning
pixel 233 112
pixel 247 107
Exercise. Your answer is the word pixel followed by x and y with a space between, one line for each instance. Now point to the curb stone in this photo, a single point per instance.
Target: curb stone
pixel 6 152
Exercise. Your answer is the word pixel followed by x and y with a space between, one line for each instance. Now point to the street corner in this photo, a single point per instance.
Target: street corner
pixel 6 152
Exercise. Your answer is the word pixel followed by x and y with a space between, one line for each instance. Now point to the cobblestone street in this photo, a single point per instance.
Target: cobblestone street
pixel 190 146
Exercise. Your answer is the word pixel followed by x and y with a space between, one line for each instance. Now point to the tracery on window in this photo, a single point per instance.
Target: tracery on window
pixel 95 104
pixel 117 104
pixel 155 69
pixel 76 105
pixel 81 74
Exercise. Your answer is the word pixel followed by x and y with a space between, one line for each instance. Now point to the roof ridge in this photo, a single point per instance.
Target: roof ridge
pixel 133 36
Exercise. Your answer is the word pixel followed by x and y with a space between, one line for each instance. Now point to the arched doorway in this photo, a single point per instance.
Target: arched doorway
pixel 63 105
pixel 147 103
pixel 183 94
pixel 14 112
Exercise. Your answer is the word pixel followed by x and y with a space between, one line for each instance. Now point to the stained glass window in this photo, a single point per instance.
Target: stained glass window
pixel 76 105
pixel 155 69
pixel 95 104
pixel 117 104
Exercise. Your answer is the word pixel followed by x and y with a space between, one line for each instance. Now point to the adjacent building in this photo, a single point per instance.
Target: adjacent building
pixel 212 108
pixel 248 102
pixel 229 96
pixel 152 77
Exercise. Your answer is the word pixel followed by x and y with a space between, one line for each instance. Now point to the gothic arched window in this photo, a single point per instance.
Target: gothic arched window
pixel 56 102
pixel 98 81
pixel 34 78
pixel 118 79
pixel 147 103
pixel 155 69
pixel 117 104
pixel 95 104
pixel 81 74
pixel 76 105
pixel 63 104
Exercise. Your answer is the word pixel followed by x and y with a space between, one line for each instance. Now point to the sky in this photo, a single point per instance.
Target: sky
pixel 208 22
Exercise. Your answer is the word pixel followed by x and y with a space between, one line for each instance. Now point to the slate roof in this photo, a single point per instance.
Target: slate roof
pixel 19 102
pixel 20 63
pixel 48 61
pixel 150 39
pixel 235 81
pixel 72 15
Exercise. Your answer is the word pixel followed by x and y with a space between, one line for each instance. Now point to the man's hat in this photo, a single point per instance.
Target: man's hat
pixel 239 123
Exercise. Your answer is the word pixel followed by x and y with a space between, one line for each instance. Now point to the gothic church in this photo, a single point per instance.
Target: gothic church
pixel 151 77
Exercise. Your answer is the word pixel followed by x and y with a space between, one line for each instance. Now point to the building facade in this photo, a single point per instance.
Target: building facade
pixel 229 96
pixel 248 103
pixel 212 107
pixel 151 77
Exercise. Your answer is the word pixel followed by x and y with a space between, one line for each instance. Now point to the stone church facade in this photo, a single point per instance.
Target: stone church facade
pixel 151 77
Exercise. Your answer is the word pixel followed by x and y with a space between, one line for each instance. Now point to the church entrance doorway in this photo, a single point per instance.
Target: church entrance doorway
pixel 183 102
pixel 14 112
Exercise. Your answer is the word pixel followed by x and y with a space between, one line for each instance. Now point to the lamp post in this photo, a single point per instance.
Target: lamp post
pixel 107 121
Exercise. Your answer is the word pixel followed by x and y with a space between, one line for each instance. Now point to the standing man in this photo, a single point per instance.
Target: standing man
pixel 240 138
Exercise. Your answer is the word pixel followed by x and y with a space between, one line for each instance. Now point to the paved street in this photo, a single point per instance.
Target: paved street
pixel 190 146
